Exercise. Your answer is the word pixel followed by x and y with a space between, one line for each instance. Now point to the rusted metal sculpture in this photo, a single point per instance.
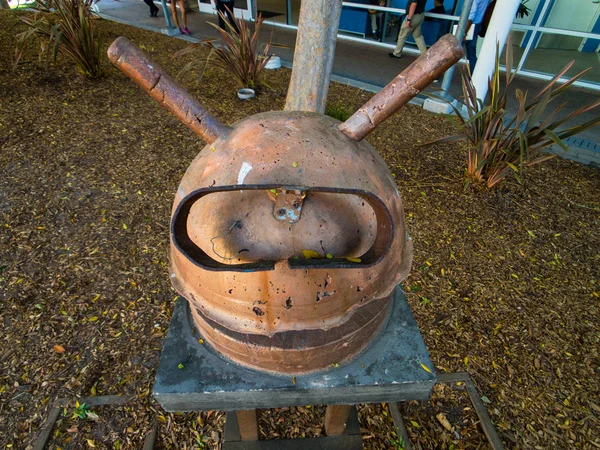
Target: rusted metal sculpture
pixel 287 231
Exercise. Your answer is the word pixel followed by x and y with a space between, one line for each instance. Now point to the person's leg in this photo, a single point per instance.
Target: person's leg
pixel 471 51
pixel 152 7
pixel 231 16
pixel 183 15
pixel 402 37
pixel 174 13
pixel 419 39
pixel 221 10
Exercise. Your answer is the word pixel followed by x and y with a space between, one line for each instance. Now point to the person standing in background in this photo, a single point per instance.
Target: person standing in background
pixel 376 18
pixel 225 7
pixel 475 18
pixel 183 30
pixel 444 24
pixel 412 24
pixel 153 8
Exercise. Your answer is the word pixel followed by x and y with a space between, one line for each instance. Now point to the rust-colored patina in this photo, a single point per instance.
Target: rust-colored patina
pixel 287 231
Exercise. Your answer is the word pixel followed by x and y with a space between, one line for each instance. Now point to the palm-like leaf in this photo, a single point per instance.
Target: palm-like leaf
pixel 65 26
pixel 499 147
pixel 236 52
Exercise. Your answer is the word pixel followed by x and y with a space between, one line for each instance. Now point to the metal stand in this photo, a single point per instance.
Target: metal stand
pixel 193 377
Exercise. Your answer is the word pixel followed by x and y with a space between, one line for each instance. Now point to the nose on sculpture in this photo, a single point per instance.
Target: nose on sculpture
pixel 287 204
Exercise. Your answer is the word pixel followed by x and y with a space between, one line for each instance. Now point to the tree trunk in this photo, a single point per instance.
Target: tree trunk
pixel 313 57
pixel 4 4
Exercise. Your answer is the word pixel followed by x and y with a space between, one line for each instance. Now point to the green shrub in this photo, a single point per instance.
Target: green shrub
pixel 63 26
pixel 236 53
pixel 338 111
pixel 500 145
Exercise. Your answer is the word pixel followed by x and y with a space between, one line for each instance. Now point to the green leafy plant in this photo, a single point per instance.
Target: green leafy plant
pixel 237 53
pixel 66 27
pixel 500 145
pixel 338 111
pixel 81 411
pixel 398 443
pixel 523 10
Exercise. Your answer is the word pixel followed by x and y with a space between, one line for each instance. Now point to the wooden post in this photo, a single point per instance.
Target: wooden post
pixel 336 417
pixel 248 423
pixel 313 57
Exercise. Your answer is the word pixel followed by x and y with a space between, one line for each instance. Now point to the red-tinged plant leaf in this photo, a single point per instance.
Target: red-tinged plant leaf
pixel 499 146
pixel 59 349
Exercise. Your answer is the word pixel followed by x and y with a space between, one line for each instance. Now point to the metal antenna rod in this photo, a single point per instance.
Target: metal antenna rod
pixel 138 66
pixel 416 77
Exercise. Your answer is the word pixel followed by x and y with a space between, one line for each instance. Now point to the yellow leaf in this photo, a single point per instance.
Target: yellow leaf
pixel 124 226
pixel 494 365
pixel 93 318
pixel 466 360
pixel 329 256
pixel 93 390
pixel 425 368
pixel 441 417
pixel 354 260
pixel 442 271
pixel 414 424
pixel 294 164
pixel 91 443
pixel 59 349
pixel 201 341
pixel 308 254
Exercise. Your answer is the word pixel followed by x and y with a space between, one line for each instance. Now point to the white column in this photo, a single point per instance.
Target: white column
pixel 497 32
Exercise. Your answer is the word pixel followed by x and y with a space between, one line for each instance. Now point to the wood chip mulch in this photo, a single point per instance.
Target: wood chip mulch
pixel 505 283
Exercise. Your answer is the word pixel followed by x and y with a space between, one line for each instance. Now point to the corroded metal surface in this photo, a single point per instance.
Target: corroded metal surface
pixel 287 230
pixel 153 78
pixel 416 77
pixel 253 293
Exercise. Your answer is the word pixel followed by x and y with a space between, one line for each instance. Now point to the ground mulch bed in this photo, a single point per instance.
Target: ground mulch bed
pixel 505 283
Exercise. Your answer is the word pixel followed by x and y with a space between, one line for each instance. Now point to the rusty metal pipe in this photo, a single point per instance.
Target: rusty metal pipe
pixel 416 77
pixel 138 66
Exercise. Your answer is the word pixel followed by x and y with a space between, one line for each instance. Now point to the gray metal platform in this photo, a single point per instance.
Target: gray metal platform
pixel 193 377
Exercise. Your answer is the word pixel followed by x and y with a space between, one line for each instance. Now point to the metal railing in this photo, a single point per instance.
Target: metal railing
pixel 536 30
